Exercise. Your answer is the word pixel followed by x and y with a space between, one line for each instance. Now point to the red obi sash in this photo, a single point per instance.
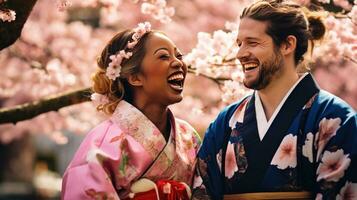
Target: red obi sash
pixel 166 189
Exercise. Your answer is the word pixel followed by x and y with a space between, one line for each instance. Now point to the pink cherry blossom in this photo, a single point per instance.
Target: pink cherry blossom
pixel 63 4
pixel 333 166
pixel 327 129
pixel 136 36
pixel 147 8
pixel 231 162
pixel 158 10
pixel 125 55
pixel 112 73
pixel 348 192
pixel 197 182
pixel 143 28
pixel 50 37
pixel 318 196
pixel 286 153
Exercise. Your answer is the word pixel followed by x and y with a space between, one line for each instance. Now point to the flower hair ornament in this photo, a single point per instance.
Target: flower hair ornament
pixel 114 68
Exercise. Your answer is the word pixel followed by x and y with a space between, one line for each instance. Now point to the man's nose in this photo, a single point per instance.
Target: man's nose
pixel 242 53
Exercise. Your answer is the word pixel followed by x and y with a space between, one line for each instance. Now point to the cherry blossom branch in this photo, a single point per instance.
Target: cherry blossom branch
pixel 223 65
pixel 52 103
pixel 350 59
pixel 11 31
pixel 216 80
pixel 33 63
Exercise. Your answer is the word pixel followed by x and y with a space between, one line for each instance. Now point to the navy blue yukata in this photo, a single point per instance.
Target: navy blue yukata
pixel 310 146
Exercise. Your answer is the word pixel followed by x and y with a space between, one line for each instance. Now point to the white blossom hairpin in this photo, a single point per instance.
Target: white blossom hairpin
pixel 114 68
pixel 99 99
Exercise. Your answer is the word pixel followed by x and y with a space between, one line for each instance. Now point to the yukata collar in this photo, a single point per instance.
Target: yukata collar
pixel 261 152
pixel 133 122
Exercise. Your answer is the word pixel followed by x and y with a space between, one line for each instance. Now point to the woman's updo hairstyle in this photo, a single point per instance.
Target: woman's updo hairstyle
pixel 118 89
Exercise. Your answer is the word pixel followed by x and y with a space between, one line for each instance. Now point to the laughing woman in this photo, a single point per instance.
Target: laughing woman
pixel 142 151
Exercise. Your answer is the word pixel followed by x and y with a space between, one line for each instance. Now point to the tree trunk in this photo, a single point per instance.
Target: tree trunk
pixel 11 31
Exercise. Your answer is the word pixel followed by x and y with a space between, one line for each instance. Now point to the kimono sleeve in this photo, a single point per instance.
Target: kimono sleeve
pixel 88 175
pixel 208 167
pixel 88 181
pixel 336 146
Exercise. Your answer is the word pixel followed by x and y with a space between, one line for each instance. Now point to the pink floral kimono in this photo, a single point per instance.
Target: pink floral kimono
pixel 128 147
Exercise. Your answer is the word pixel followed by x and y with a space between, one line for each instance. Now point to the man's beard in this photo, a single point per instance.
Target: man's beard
pixel 267 70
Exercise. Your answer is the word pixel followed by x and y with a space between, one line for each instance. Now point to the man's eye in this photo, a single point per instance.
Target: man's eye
pixel 253 43
pixel 179 56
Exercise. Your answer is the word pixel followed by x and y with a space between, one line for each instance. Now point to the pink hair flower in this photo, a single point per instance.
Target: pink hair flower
pixel 114 67
pixel 112 73
pixel 132 44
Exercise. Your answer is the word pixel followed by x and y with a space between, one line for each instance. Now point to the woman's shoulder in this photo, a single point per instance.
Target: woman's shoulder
pixel 97 138
pixel 100 130
pixel 105 132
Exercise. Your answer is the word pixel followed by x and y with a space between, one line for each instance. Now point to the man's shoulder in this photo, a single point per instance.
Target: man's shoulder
pixel 332 102
pixel 229 110
pixel 329 106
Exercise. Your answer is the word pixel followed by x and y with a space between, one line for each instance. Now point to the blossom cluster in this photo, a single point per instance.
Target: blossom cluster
pixel 159 10
pixel 56 54
pixel 62 5
pixel 214 56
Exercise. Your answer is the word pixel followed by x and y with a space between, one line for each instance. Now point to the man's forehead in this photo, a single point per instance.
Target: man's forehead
pixel 250 28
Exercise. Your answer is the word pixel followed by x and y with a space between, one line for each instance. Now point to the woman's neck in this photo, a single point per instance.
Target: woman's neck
pixel 158 115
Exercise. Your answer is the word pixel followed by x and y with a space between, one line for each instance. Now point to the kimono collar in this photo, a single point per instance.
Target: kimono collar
pixel 133 122
pixel 260 153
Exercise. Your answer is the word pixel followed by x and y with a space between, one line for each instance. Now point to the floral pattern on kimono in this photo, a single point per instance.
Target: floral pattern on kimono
pixel 125 148
pixel 317 151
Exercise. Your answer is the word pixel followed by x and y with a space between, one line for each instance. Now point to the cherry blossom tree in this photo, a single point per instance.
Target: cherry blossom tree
pixel 46 73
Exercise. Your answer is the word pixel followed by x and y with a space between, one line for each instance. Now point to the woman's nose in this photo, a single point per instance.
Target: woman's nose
pixel 177 63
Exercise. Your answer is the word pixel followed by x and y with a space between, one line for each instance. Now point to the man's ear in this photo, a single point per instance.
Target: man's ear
pixel 135 80
pixel 289 45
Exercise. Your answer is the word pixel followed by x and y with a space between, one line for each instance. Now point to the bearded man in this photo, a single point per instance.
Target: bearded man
pixel 289 139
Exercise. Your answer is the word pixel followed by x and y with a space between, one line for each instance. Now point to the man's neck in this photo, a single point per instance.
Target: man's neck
pixel 273 94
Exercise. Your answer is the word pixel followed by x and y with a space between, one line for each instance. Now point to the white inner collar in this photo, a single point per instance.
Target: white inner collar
pixel 262 123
